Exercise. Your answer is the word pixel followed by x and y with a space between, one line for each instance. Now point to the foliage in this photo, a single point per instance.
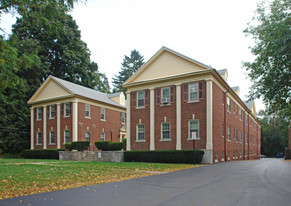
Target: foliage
pixel 129 66
pixel 270 72
pixel 124 144
pixel 68 146
pixel 41 153
pixel 164 156
pixel 28 176
pixel 102 145
pixel 113 146
pixel 80 145
pixel 274 134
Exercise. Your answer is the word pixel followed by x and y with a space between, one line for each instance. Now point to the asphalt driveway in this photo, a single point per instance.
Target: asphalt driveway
pixel 258 182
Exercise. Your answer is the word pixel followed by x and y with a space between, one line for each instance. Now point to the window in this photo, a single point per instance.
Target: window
pixel 193 129
pixel 102 136
pixel 215 156
pixel 39 113
pixel 246 139
pixel 52 111
pixel 122 117
pixel 67 109
pixel 67 136
pixel 223 130
pixel 228 155
pixel 240 113
pixel 236 136
pixel 38 138
pixel 165 95
pixel 166 130
pixel 228 104
pixel 140 132
pixel 52 137
pixel 140 99
pixel 87 136
pixel 228 134
pixel 87 110
pixel 193 92
pixel 246 119
pixel 102 113
pixel 240 137
pixel 222 156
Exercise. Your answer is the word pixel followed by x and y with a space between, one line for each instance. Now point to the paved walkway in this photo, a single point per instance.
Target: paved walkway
pixel 259 182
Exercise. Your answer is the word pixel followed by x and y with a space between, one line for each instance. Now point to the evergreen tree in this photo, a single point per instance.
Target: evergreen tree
pixel 128 67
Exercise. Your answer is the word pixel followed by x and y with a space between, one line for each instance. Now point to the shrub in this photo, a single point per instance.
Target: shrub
pixel 41 153
pixel 68 146
pixel 113 146
pixel 80 145
pixel 102 145
pixel 164 156
pixel 124 144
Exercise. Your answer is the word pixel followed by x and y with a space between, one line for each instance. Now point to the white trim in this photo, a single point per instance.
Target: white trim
pixel 128 148
pixel 88 105
pixel 140 140
pixel 152 118
pixel 209 125
pixel 103 109
pixel 31 128
pixel 75 120
pixel 165 139
pixel 44 127
pixel 178 116
pixel 140 107
pixel 58 125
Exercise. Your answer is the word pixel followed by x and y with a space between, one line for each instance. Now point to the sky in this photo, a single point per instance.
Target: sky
pixel 209 31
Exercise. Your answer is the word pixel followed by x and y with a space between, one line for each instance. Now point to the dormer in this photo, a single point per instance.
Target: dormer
pixel 223 73
pixel 118 98
pixel 236 90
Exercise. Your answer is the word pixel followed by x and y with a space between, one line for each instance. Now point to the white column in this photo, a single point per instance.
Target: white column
pixel 58 126
pixel 75 120
pixel 44 127
pixel 178 117
pixel 209 126
pixel 31 128
pixel 128 105
pixel 152 118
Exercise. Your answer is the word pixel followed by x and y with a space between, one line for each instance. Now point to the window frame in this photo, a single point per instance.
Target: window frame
pixel 39 113
pixel 87 132
pixel 87 111
pixel 65 131
pixel 102 139
pixel 103 114
pixel 228 133
pixel 66 109
pixel 138 132
pixel 38 138
pixel 122 118
pixel 162 131
pixel 195 85
pixel 189 129
pixel 52 143
pixel 52 107
pixel 138 98
pixel 162 95
pixel 228 104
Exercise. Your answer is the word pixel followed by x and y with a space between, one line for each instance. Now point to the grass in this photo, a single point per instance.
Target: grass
pixel 20 177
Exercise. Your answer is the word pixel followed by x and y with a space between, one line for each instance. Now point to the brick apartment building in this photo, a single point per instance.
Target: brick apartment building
pixel 173 98
pixel 63 112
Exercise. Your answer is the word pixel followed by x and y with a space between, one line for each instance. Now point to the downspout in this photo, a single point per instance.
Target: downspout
pixel 225 127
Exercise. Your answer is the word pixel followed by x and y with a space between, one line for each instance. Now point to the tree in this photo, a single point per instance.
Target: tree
pixel 274 132
pixel 271 70
pixel 129 66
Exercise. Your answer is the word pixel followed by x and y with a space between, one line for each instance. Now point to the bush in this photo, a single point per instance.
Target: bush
pixel 164 156
pixel 113 146
pixel 80 145
pixel 68 146
pixel 102 145
pixel 124 144
pixel 41 153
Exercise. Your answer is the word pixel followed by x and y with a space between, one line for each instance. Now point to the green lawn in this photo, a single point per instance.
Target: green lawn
pixel 28 176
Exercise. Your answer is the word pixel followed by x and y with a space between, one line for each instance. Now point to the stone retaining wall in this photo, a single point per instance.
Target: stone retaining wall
pixel 105 156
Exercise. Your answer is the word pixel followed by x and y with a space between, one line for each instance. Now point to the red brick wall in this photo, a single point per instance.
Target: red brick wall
pixel 51 126
pixel 187 111
pixel 38 126
pixel 142 114
pixel 96 125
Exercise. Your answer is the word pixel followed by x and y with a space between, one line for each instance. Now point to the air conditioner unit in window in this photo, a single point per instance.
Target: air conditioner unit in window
pixel 165 100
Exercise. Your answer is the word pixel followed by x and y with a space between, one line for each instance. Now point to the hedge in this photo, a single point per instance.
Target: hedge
pixel 113 146
pixel 102 145
pixel 80 145
pixel 41 153
pixel 68 146
pixel 164 156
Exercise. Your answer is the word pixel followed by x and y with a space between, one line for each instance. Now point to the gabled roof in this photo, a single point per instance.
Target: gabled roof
pixel 114 94
pixel 235 88
pixel 161 52
pixel 76 89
